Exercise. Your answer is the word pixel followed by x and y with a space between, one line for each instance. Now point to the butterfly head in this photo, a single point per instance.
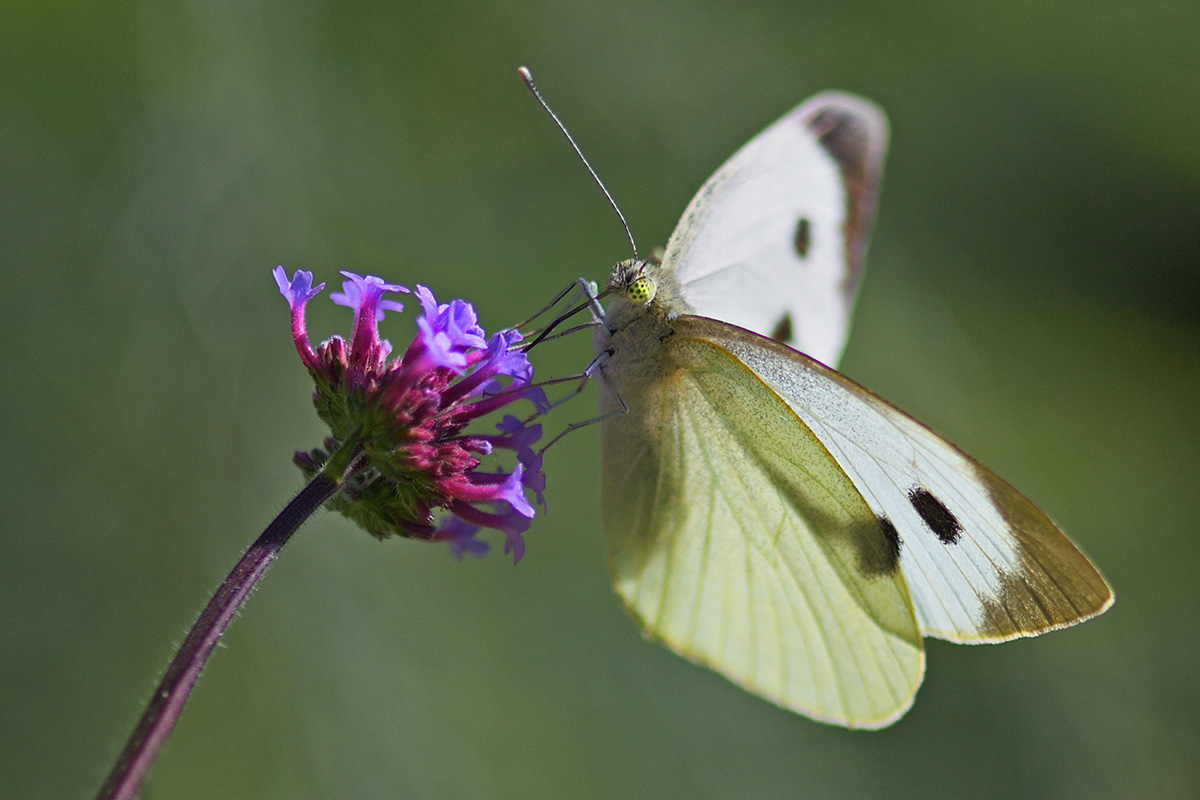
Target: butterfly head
pixel 642 289
pixel 643 283
pixel 631 281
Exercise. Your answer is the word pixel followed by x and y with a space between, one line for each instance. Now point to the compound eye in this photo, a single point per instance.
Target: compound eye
pixel 640 290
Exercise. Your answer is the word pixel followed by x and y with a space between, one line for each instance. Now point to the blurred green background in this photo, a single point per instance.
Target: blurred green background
pixel 1033 293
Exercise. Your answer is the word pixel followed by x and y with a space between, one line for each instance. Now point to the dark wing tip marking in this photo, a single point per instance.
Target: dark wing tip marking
pixel 940 520
pixel 1056 585
pixel 782 332
pixel 854 131
pixel 883 558
pixel 803 238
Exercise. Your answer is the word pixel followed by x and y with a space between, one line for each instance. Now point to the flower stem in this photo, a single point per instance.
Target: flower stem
pixel 172 693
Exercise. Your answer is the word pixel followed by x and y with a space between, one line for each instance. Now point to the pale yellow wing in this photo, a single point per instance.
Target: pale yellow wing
pixel 737 540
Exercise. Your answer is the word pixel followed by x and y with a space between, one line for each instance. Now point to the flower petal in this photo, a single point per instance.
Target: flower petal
pixel 457 319
pixel 299 290
pixel 361 289
pixel 461 534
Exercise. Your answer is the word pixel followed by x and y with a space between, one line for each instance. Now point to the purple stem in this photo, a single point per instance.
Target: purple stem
pixel 172 693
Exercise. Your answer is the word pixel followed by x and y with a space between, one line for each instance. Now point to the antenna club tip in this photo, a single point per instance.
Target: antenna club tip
pixel 527 79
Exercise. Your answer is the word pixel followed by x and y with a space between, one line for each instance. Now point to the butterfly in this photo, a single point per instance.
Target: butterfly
pixel 767 516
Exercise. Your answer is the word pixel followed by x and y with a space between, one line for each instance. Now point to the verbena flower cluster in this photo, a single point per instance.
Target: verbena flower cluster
pixel 409 415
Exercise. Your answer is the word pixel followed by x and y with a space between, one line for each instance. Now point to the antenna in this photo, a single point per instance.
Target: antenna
pixel 527 76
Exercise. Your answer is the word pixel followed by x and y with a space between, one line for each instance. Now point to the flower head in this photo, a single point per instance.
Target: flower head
pixel 409 416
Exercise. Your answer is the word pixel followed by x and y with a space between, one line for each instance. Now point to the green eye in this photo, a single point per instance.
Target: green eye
pixel 640 290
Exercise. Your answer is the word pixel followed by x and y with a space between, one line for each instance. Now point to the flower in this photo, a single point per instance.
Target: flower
pixel 408 417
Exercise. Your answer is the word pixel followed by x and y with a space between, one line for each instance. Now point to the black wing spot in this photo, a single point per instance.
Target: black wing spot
pixel 782 332
pixel 803 238
pixel 939 519
pixel 883 557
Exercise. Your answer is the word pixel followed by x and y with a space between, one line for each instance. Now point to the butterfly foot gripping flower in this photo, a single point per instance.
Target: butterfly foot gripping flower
pixel 407 418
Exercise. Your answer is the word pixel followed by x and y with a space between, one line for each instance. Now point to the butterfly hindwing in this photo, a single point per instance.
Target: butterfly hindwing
pixel 736 540
pixel 775 240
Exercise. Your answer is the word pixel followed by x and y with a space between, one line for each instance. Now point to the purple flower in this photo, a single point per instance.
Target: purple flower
pixel 460 535
pixel 457 319
pixel 298 292
pixel 409 417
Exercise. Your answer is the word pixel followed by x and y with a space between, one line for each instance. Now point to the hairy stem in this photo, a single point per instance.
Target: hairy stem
pixel 172 693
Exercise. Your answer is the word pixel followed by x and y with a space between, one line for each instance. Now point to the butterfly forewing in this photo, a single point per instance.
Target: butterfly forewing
pixel 775 240
pixel 982 563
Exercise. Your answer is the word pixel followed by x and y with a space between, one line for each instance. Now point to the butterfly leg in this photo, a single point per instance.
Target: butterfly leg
pixel 579 291
pixel 586 288
pixel 593 370
pixel 589 289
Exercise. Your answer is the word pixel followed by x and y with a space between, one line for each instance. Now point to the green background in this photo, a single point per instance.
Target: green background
pixel 1033 293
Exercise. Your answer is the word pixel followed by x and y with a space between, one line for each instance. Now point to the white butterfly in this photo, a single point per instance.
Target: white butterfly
pixel 768 517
